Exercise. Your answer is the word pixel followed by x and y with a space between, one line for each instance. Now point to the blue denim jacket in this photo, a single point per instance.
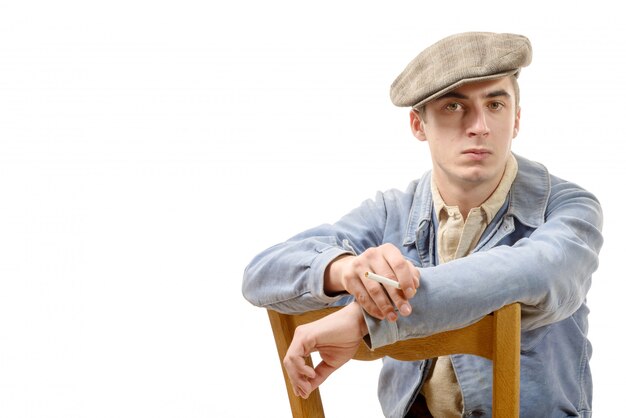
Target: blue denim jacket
pixel 540 250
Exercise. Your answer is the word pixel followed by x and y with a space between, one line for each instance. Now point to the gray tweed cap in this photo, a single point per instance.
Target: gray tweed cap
pixel 457 60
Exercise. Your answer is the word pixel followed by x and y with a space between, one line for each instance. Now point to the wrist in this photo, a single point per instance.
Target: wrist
pixel 333 275
pixel 356 312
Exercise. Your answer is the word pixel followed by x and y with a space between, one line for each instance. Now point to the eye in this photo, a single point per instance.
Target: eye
pixel 495 105
pixel 453 107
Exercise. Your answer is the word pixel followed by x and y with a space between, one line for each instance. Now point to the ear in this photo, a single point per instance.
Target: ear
pixel 417 125
pixel 516 125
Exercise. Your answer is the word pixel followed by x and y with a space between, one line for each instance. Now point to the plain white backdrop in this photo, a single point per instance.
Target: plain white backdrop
pixel 148 150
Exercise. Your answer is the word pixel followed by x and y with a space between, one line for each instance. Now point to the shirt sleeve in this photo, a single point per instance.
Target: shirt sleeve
pixel 289 277
pixel 549 273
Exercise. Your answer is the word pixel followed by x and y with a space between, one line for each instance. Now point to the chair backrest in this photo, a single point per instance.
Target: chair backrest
pixel 495 337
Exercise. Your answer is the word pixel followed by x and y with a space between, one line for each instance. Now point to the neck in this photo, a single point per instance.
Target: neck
pixel 465 195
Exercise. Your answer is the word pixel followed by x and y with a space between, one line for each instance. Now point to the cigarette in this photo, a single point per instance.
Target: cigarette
pixel 381 279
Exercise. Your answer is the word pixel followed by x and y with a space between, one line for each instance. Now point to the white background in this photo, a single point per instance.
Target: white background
pixel 148 150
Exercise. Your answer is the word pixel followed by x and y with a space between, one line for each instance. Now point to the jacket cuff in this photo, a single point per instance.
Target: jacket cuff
pixel 381 332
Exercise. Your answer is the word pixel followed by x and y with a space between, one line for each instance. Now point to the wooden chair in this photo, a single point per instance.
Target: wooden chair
pixel 495 337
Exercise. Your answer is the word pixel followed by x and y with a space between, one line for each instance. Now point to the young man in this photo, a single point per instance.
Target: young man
pixel 483 229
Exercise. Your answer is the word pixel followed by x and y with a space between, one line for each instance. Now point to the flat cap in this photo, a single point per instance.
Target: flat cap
pixel 460 59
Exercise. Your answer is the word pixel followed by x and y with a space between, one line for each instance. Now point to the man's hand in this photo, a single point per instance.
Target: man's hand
pixel 347 273
pixel 336 337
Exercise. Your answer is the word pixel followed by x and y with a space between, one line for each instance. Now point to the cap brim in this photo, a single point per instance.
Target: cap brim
pixel 462 82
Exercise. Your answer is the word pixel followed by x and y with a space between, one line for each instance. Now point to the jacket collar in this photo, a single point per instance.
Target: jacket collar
pixel 528 199
pixel 530 192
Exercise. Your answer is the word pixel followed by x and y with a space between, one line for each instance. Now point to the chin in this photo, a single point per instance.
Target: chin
pixel 476 177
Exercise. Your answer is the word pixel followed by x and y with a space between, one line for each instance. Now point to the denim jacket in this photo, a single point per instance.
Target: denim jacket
pixel 540 250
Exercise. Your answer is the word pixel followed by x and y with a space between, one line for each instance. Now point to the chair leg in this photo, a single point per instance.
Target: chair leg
pixel 506 362
pixel 300 408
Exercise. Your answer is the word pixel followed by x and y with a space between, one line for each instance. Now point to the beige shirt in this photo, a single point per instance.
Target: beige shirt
pixel 456 238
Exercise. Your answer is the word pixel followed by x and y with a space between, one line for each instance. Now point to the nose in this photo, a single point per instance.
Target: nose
pixel 477 123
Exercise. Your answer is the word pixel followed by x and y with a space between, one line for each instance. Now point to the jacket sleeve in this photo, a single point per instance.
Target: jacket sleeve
pixel 549 273
pixel 289 277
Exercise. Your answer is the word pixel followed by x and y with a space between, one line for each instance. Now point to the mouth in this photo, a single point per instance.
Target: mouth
pixel 477 153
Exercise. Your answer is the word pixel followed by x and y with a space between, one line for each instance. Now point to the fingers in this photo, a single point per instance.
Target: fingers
pixel 304 379
pixel 408 277
pixel 370 296
pixel 379 296
pixel 379 300
pixel 305 383
pixel 300 374
pixel 401 269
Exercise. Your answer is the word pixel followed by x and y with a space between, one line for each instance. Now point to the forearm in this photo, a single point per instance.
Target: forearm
pixel 548 272
pixel 289 277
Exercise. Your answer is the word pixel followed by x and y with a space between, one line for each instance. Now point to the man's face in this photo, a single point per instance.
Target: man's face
pixel 469 132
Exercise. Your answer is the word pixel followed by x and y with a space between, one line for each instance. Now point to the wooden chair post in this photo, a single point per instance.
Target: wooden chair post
pixel 283 327
pixel 506 361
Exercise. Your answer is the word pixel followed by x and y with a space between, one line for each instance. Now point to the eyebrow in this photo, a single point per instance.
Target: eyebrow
pixel 490 95
pixel 498 93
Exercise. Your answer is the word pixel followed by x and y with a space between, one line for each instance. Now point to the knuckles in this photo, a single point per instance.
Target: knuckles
pixel 397 265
